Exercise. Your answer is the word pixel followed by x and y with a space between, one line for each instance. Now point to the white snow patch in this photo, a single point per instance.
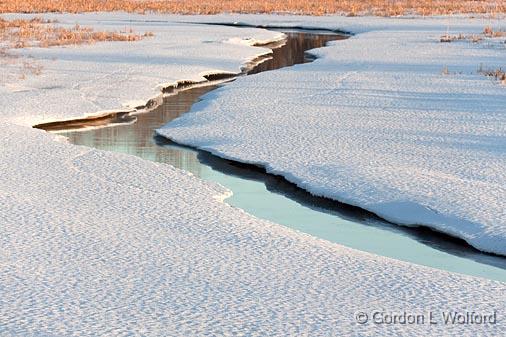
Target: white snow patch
pixel 374 123
pixel 99 243
pixel 88 79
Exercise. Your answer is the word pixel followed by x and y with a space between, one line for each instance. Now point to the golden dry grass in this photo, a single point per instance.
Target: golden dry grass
pixel 38 32
pixel 488 32
pixel 498 74
pixel 314 7
pixel 42 33
pixel 450 38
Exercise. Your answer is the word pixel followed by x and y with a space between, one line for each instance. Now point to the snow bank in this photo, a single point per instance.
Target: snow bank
pixel 375 123
pixel 99 243
pixel 86 79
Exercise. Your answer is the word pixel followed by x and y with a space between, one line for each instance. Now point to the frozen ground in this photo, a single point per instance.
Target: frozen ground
pixel 87 79
pixel 375 123
pixel 96 243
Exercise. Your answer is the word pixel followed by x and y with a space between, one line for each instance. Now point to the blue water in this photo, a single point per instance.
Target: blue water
pixel 272 198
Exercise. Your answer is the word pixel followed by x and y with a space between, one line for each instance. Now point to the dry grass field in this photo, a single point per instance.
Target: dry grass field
pixel 38 32
pixel 498 74
pixel 488 32
pixel 314 7
pixel 42 33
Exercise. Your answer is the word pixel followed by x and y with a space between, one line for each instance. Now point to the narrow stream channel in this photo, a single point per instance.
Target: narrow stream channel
pixel 273 198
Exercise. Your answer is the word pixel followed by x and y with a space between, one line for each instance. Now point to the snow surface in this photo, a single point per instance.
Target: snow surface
pixel 91 79
pixel 99 243
pixel 375 123
pixel 94 243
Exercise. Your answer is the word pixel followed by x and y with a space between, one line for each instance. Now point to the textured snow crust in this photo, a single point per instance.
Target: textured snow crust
pixel 390 120
pixel 94 243
pixel 89 79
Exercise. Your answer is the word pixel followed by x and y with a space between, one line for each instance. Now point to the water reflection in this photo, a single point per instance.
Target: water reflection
pixel 275 199
pixel 294 50
pixel 137 138
pixel 315 207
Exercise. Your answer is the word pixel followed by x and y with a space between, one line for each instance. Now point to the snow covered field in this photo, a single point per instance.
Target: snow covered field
pixel 375 123
pixel 98 243
pixel 90 79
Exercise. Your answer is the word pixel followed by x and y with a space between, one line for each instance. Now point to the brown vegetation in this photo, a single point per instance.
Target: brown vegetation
pixel 315 7
pixel 37 32
pixel 450 38
pixel 498 74
pixel 42 33
pixel 488 32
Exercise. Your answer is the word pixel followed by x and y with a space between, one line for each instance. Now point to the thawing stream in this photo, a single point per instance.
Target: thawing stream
pixel 273 198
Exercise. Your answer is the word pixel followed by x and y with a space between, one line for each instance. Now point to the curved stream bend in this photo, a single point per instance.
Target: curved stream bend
pixel 272 197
